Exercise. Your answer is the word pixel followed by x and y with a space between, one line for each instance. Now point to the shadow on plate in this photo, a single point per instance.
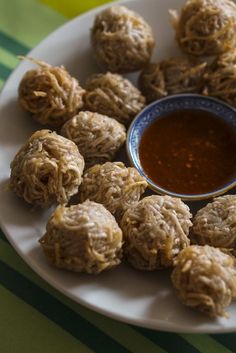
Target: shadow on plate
pixel 169 308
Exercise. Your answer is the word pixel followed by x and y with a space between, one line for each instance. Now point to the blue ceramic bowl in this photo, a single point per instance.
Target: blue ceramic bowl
pixel 160 108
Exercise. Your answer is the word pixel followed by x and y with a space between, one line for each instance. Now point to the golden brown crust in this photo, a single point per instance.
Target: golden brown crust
pixel 113 185
pixel 155 231
pixel 205 279
pixel 47 168
pixel 205 27
pixel 122 40
pixel 50 94
pixel 97 136
pixel 83 238
pixel 215 224
pixel 114 96
pixel 220 78
pixel 171 76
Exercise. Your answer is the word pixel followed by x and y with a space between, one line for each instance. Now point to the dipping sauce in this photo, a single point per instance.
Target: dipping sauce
pixel 189 152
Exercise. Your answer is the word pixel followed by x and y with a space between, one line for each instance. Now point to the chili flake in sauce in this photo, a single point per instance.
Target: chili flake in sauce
pixel 189 152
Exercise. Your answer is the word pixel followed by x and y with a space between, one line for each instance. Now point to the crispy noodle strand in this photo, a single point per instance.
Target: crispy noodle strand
pixel 113 185
pixel 112 95
pixel 47 168
pixel 97 136
pixel 205 279
pixel 155 231
pixel 171 76
pixel 50 94
pixel 220 78
pixel 83 238
pixel 122 40
pixel 215 224
pixel 205 27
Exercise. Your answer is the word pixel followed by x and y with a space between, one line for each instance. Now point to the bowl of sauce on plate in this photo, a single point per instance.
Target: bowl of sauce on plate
pixel 185 146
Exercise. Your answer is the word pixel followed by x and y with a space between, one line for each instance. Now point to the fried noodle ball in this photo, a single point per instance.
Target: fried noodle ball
pixel 97 136
pixel 220 78
pixel 47 168
pixel 114 96
pixel 155 231
pixel 113 185
pixel 83 238
pixel 205 27
pixel 171 76
pixel 215 224
pixel 122 40
pixel 50 94
pixel 205 279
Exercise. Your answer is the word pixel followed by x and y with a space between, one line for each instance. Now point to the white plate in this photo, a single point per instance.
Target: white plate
pixel 144 299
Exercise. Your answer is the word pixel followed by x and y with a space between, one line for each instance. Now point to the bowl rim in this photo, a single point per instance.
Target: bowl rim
pixel 151 184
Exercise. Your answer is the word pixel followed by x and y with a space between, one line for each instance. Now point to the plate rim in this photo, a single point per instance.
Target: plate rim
pixel 154 324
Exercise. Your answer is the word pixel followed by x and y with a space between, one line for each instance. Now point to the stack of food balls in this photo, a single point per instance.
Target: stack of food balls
pixel 205 273
pixel 112 221
pixel 90 128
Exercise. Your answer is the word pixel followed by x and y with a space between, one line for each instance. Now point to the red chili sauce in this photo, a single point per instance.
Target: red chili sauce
pixel 189 152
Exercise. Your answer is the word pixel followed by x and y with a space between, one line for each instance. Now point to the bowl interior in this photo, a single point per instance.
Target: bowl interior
pixel 162 107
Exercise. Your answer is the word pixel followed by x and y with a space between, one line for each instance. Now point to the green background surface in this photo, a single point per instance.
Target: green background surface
pixel 34 317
